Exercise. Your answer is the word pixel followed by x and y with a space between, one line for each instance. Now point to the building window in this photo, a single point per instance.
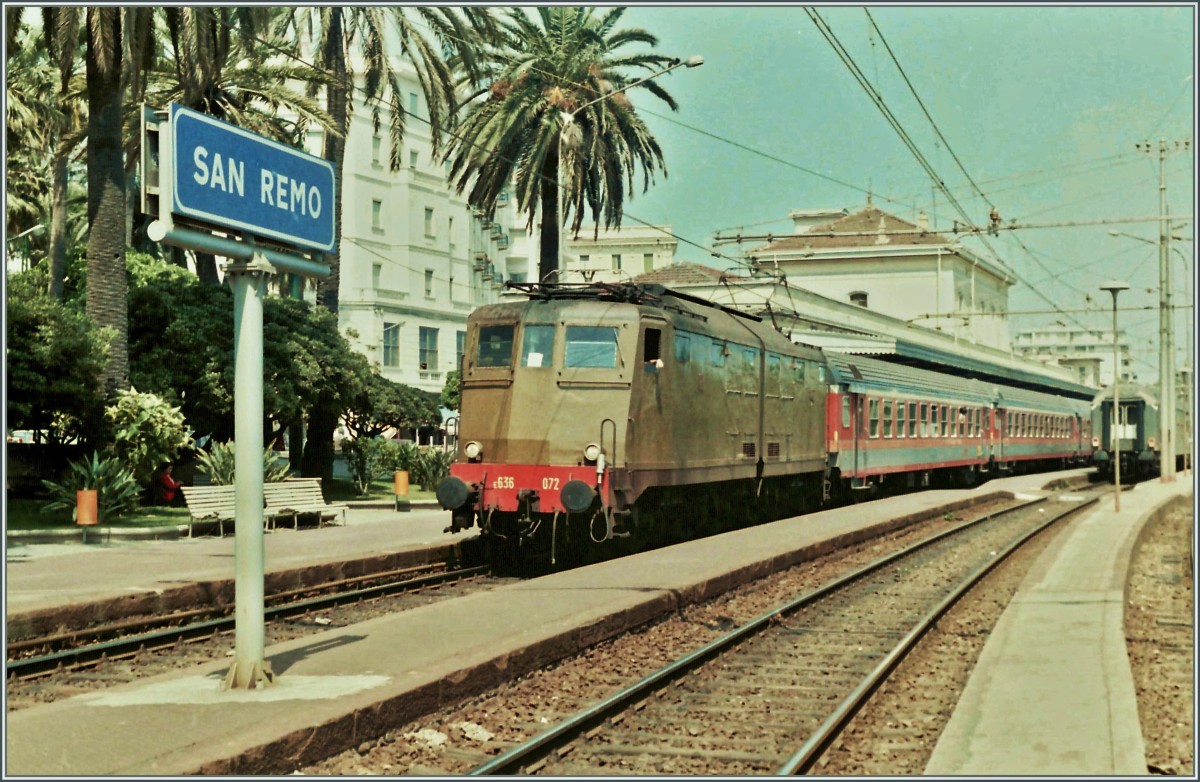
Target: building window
pixel 376 275
pixel 376 146
pixel 450 231
pixel 460 344
pixel 859 298
pixel 428 221
pixel 413 103
pixel 391 344
pixel 376 214
pixel 429 282
pixel 413 157
pixel 648 262
pixel 616 264
pixel 428 350
pixel 450 288
pixel 583 259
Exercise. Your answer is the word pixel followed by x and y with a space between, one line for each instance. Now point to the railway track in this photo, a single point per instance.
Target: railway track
pixel 49 654
pixel 773 694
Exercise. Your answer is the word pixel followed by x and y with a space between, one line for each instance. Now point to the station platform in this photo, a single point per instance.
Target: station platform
pixel 340 687
pixel 124 575
pixel 1052 693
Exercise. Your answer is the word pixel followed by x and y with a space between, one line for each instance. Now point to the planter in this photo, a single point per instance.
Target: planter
pixel 401 481
pixel 87 507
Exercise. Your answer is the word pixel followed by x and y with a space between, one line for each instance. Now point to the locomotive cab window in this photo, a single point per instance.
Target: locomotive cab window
pixel 592 347
pixel 652 346
pixel 495 346
pixel 683 347
pixel 537 349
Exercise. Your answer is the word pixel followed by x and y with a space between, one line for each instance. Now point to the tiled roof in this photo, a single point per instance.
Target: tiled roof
pixel 868 220
pixel 684 273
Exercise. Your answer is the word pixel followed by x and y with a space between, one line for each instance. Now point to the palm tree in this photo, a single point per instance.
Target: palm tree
pixel 342 39
pixel 335 35
pixel 511 132
pixel 216 63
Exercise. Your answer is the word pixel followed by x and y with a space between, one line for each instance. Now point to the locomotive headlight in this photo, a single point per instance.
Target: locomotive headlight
pixel 473 450
pixel 591 452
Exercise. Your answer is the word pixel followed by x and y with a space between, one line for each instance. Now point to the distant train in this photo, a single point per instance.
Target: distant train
pixel 599 418
pixel 1138 447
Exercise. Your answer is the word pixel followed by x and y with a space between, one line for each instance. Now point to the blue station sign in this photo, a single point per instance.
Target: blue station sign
pixel 232 178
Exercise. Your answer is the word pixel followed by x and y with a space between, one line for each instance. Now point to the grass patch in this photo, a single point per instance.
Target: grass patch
pixel 25 514
pixel 343 490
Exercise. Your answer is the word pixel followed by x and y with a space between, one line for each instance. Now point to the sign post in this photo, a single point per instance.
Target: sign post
pixel 217 188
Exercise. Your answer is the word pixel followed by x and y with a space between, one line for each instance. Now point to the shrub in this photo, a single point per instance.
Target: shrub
pixel 401 455
pixel 116 489
pixel 147 431
pixel 367 458
pixel 431 466
pixel 218 464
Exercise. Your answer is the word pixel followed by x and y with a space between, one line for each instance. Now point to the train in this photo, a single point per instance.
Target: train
pixel 1137 447
pixel 597 419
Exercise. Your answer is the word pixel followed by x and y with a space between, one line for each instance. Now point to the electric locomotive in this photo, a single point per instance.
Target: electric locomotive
pixel 595 414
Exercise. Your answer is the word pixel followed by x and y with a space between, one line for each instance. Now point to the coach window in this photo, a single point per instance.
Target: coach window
pixel 900 419
pixel 873 417
pixel 683 347
pixel 538 347
pixel 774 373
pixel 716 354
pixel 924 419
pixel 933 420
pixel 979 422
pixel 912 419
pixel 495 346
pixel 846 412
pixel 945 420
pixel 887 418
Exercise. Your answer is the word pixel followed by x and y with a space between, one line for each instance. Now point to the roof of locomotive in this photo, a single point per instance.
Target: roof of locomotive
pixel 652 296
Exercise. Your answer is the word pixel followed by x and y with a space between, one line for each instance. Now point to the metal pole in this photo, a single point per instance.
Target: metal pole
pixel 250 670
pixel 1116 439
pixel 1166 370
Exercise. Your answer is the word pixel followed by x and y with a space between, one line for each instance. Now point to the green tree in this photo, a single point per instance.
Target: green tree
pixel 511 131
pixel 451 393
pixel 53 365
pixel 383 404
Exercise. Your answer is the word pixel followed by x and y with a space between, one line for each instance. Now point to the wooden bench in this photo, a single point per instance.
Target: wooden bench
pixel 299 495
pixel 209 503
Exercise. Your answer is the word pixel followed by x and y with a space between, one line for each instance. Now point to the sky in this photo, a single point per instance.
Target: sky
pixel 1042 106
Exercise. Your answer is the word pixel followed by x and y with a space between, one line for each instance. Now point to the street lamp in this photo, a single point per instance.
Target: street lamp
pixel 568 118
pixel 1115 287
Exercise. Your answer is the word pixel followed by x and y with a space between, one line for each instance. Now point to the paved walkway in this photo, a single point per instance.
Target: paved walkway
pixel 1053 693
pixel 43 576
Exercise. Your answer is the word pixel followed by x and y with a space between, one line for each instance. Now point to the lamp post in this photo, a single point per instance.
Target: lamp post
pixel 568 118
pixel 1115 287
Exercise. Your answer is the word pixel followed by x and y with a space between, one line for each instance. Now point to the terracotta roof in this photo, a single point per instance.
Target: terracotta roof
pixel 684 273
pixel 868 220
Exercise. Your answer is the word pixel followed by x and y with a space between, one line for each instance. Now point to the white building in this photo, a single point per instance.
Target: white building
pixel 878 261
pixel 1087 352
pixel 618 255
pixel 415 259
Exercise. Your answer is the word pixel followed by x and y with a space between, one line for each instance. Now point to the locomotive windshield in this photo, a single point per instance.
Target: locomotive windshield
pixel 592 347
pixel 537 350
pixel 495 346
